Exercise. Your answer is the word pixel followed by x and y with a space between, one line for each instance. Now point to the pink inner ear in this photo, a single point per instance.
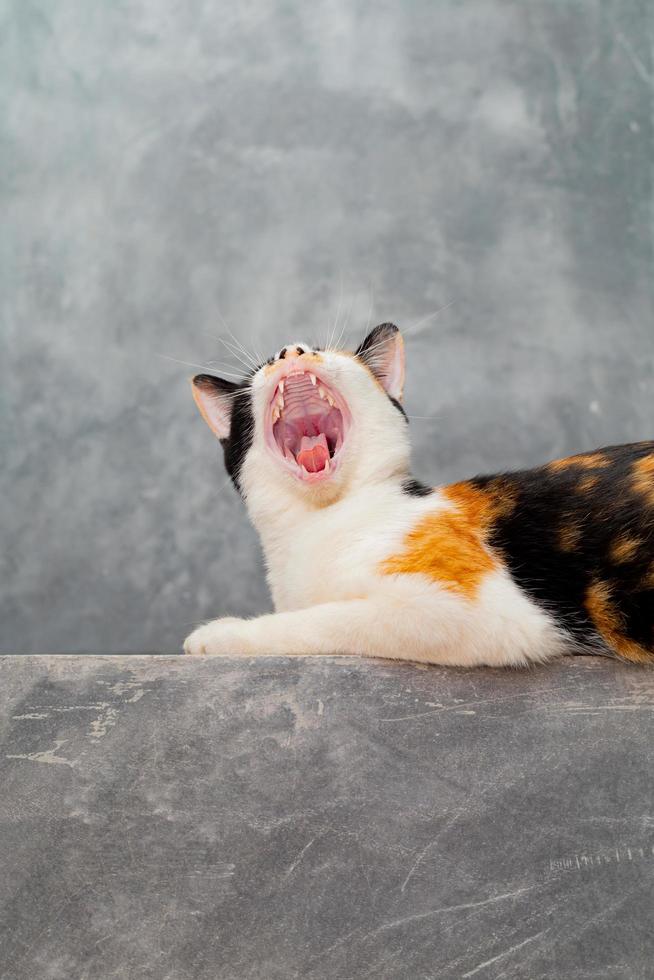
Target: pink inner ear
pixel 391 367
pixel 215 409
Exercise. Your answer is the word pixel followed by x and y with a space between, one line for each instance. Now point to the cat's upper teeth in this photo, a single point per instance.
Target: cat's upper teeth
pixel 276 414
pixel 281 386
pixel 314 379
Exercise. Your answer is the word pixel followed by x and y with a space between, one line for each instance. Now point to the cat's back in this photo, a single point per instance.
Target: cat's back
pixel 577 535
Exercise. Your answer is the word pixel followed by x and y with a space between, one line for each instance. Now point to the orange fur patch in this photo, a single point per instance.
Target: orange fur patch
pixel 449 546
pixel 586 483
pixel 623 549
pixel 644 478
pixel 587 461
pixel 609 623
pixel 569 536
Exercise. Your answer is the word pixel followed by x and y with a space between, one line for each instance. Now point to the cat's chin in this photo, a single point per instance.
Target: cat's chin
pixel 306 425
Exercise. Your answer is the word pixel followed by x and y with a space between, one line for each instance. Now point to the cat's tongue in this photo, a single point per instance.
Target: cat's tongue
pixel 314 453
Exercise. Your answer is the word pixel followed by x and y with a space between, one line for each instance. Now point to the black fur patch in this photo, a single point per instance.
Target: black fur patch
pixel 241 431
pixel 399 407
pixel 241 434
pixel 414 488
pixel 375 339
pixel 565 532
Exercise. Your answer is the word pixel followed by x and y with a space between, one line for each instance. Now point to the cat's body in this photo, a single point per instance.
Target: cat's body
pixel 363 560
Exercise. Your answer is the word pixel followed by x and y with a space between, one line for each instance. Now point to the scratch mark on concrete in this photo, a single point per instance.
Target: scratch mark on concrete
pixel 448 908
pixel 417 862
pixel 639 67
pixel 593 709
pixel 330 949
pixel 506 952
pixel 299 858
pixel 460 705
pixel 34 715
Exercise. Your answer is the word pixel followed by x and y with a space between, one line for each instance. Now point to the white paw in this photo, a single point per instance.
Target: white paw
pixel 226 636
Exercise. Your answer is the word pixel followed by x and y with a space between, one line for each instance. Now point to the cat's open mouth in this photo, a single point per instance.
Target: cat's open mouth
pixel 307 423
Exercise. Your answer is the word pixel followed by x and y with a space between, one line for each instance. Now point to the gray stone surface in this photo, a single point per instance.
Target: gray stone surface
pixel 324 819
pixel 165 165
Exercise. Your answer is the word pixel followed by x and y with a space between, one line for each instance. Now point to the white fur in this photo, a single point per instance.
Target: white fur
pixel 324 545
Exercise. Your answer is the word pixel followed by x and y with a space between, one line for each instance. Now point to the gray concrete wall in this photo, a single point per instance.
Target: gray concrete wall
pixel 167 168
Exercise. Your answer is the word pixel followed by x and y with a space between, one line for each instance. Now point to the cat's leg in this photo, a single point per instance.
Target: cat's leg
pixel 373 627
pixel 404 622
pixel 350 627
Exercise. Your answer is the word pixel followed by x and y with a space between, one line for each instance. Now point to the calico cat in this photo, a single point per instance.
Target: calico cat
pixel 363 559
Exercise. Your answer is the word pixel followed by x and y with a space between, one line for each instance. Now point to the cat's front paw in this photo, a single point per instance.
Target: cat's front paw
pixel 221 636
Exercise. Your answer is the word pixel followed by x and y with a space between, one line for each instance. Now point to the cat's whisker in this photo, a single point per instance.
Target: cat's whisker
pixel 234 352
pixel 203 367
pixel 238 344
pixel 339 340
pixel 373 352
pixel 250 356
pixel 238 349
pixel 369 310
pixel 260 360
pixel 329 344
pixel 223 367
pixel 229 330
pixel 415 328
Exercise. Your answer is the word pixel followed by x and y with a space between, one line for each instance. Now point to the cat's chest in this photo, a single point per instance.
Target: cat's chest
pixel 336 553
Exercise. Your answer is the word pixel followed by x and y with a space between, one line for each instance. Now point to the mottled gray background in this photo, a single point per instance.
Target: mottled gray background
pixel 170 168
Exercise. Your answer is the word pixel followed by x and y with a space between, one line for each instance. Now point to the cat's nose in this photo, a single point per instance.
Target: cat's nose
pixel 287 353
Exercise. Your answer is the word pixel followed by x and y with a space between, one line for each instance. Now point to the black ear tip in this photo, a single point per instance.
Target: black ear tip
pixel 378 336
pixel 205 382
pixel 384 330
pixel 210 383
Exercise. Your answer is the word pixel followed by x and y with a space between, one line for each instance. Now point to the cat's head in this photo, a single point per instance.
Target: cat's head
pixel 313 422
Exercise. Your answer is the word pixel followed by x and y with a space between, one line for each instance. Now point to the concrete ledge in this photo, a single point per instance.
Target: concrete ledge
pixel 163 817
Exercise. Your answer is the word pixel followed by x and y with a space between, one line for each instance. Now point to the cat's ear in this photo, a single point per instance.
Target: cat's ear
pixel 215 399
pixel 383 352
